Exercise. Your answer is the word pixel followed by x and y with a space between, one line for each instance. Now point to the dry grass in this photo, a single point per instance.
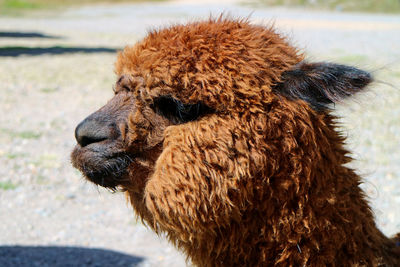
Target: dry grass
pixel 383 6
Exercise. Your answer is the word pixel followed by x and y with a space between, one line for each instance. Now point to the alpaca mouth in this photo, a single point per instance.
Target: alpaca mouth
pixel 102 167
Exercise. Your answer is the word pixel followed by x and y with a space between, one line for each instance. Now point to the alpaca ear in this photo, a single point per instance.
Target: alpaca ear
pixel 321 84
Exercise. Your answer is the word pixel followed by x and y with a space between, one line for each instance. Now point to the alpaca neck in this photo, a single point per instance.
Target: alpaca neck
pixel 342 217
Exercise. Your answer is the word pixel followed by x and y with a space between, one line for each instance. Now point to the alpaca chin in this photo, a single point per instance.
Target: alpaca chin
pixel 99 167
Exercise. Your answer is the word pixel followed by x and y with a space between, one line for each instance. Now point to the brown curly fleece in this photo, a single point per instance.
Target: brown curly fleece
pixel 256 175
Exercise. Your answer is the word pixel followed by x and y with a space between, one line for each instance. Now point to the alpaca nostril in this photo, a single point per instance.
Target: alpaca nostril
pixel 90 131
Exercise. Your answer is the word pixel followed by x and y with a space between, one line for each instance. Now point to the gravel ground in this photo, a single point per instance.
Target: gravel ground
pixel 61 72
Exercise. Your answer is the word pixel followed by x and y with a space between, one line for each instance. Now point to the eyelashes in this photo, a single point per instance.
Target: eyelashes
pixel 178 112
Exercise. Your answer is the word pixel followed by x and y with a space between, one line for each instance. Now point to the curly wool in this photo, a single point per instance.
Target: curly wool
pixel 262 180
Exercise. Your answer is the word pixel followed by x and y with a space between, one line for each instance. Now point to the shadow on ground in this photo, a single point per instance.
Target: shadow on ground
pixel 27 35
pixel 24 256
pixel 15 51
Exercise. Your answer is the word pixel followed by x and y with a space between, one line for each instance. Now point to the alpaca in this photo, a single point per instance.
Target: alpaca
pixel 220 134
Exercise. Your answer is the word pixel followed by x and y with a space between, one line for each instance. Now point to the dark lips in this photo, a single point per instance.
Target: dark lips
pixel 102 168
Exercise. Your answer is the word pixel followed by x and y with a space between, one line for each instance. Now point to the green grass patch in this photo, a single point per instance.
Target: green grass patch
pixel 28 135
pixel 21 134
pixel 13 7
pixel 395 74
pixel 7 185
pixel 19 4
pixel 382 6
pixel 15 155
pixel 48 90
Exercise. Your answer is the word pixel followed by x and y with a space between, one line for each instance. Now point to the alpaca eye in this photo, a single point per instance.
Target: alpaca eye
pixel 178 112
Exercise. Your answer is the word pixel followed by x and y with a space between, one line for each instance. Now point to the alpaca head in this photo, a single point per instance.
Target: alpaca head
pixel 210 120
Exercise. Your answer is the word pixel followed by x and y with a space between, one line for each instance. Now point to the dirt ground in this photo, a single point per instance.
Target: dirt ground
pixel 57 67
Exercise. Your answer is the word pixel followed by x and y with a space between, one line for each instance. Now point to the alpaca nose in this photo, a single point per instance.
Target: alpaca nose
pixel 91 131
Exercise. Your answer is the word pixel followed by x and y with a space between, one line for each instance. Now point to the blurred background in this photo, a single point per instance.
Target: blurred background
pixel 56 67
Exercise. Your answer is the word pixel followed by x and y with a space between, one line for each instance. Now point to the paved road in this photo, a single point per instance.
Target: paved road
pixel 56 68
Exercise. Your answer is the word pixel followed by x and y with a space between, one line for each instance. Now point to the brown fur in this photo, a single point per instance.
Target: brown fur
pixel 260 181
